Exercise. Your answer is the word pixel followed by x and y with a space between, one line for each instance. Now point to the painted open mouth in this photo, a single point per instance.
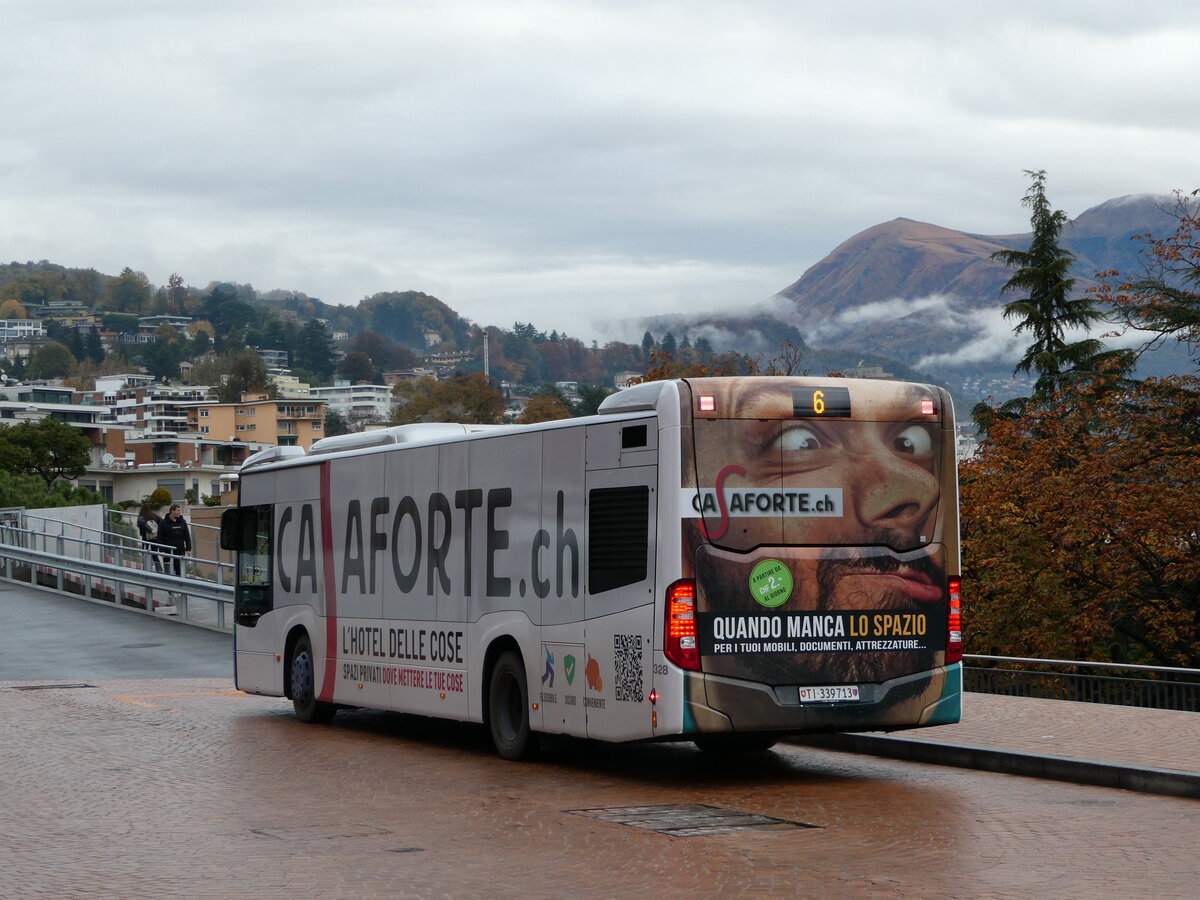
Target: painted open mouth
pixel 917 586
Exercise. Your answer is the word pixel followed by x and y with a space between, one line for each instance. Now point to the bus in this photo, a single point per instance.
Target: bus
pixel 719 560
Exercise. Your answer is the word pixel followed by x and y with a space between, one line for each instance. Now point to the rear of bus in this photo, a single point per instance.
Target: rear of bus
pixel 820 556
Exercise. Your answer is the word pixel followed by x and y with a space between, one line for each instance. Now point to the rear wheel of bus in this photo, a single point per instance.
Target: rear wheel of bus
pixel 508 708
pixel 303 685
pixel 735 743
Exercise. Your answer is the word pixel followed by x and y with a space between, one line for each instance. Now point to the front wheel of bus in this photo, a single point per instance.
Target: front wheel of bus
pixel 508 708
pixel 303 684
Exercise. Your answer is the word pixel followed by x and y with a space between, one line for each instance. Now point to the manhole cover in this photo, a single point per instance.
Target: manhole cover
pixel 688 820
pixel 50 687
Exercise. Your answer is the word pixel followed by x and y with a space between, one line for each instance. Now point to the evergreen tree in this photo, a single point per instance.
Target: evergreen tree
pixel 161 359
pixel 1046 308
pixel 94 347
pixel 590 398
pixel 75 343
pixel 315 351
pixel 335 423
pixel 201 343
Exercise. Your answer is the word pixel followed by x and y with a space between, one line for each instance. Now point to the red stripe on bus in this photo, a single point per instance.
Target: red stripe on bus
pixel 330 592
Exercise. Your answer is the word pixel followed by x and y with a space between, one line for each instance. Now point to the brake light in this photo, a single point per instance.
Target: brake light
pixel 954 637
pixel 681 645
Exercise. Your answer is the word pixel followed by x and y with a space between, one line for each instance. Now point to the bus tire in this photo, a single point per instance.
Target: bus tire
pixel 735 743
pixel 508 708
pixel 303 685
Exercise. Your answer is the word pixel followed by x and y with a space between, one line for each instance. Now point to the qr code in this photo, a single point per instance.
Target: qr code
pixel 627 660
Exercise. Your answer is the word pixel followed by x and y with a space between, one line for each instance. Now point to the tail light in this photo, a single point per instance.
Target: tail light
pixel 681 646
pixel 954 638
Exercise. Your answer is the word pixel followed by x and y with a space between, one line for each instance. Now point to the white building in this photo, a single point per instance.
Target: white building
pixel 358 404
pixel 21 329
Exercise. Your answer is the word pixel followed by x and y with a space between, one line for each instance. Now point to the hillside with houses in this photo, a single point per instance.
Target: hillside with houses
pixel 177 398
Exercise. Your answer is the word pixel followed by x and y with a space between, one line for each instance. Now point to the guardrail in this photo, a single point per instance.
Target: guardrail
pixel 1154 687
pixel 108 566
pixel 119 571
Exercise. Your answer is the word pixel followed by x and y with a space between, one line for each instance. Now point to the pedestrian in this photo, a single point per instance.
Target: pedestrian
pixel 173 533
pixel 148 522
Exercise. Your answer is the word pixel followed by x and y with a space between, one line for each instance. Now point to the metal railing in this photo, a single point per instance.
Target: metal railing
pixel 110 565
pixel 117 569
pixel 1154 687
pixel 120 533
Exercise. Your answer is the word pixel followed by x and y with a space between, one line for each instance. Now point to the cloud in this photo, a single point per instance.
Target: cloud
pixel 978 336
pixel 558 159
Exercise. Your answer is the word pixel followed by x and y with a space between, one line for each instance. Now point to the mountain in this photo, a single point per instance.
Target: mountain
pixel 927 295
pixel 899 259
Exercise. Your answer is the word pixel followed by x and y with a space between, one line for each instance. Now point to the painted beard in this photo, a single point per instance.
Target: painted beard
pixel 877 583
pixel 849 581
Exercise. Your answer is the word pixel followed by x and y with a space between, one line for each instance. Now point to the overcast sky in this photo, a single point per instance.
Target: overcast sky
pixel 574 164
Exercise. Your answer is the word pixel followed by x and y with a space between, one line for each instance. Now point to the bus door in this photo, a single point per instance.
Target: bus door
pixel 248 530
pixel 277 537
pixel 621 544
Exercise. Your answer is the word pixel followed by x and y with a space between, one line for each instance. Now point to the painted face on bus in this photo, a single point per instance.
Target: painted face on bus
pixel 868 481
pixel 851 504
pixel 886 471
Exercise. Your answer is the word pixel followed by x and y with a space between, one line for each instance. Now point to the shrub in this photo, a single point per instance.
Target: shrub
pixel 159 497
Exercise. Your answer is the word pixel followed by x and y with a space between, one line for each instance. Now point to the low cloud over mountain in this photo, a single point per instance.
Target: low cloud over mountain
pixel 930 296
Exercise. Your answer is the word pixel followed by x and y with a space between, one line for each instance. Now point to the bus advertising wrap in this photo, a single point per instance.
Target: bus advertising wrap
pixel 814 528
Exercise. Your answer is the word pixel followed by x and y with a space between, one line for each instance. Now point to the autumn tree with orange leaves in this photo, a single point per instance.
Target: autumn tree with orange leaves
pixel 1081 515
pixel 1081 527
pixel 465 398
pixel 546 404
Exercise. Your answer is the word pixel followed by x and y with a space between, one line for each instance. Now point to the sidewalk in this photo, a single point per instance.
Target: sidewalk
pixel 1150 750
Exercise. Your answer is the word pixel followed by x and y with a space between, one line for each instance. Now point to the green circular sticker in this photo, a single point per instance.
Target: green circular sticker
pixel 771 583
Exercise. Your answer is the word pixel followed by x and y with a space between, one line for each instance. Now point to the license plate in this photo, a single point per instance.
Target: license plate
pixel 836 693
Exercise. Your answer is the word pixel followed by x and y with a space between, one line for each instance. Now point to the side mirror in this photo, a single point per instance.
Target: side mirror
pixel 232 527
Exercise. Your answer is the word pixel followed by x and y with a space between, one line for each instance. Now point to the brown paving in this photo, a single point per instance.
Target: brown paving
pixel 183 788
pixel 1148 738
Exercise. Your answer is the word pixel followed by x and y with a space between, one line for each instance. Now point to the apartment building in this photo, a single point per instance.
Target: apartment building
pixel 358 404
pixel 285 422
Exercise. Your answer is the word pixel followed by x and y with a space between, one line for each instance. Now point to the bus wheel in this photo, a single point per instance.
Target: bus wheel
pixel 508 708
pixel 303 684
pixel 735 743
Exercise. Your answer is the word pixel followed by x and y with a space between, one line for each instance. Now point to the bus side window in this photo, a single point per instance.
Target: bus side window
pixel 618 537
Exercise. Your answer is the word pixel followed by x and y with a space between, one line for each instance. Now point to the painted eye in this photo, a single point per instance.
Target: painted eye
pixel 914 440
pixel 799 439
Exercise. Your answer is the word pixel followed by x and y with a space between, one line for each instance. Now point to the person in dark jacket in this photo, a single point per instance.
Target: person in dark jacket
pixel 173 533
pixel 148 523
